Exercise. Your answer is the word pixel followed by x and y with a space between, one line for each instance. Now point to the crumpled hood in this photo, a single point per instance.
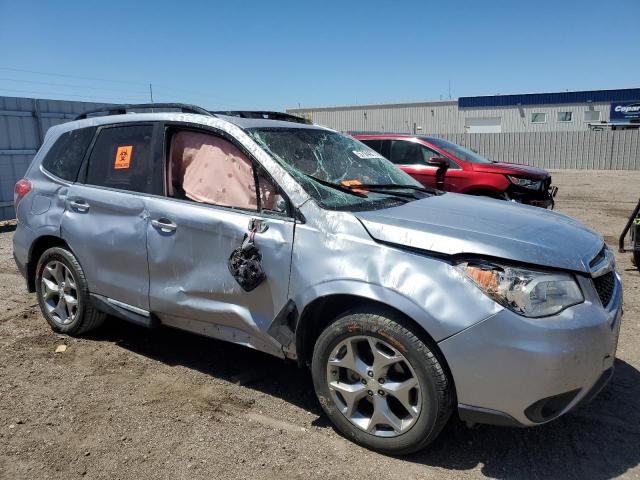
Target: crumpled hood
pixel 461 224
pixel 511 169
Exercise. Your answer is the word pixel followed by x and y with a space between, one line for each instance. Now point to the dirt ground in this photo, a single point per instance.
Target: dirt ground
pixel 130 403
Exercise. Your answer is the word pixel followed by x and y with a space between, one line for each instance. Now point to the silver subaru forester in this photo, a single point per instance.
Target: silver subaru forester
pixel 408 304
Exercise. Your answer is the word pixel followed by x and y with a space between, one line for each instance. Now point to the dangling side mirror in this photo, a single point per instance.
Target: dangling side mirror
pixel 440 162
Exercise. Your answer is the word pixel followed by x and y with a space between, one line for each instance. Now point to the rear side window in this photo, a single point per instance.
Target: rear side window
pixel 64 158
pixel 380 146
pixel 375 144
pixel 122 158
pixel 406 153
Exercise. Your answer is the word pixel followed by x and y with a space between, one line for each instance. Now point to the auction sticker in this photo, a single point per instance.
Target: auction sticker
pixel 367 154
pixel 123 157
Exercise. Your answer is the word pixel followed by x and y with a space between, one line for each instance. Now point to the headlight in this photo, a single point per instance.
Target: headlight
pixel 525 182
pixel 527 292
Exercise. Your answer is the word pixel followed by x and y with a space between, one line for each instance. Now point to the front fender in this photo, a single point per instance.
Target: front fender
pixel 441 313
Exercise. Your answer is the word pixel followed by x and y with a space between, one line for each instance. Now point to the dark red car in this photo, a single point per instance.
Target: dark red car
pixel 438 163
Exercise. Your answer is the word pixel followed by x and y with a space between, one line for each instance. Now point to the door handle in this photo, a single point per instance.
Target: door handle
pixel 79 205
pixel 164 225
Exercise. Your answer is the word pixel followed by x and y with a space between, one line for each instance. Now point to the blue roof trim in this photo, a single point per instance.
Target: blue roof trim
pixel 622 95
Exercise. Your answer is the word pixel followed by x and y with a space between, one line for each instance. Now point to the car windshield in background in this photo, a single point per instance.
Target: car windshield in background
pixel 458 151
pixel 328 164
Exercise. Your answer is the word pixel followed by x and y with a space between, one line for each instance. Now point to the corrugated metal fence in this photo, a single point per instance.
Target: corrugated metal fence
pixel 23 124
pixel 603 150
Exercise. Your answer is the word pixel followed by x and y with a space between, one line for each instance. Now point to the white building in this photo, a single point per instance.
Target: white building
pixel 533 112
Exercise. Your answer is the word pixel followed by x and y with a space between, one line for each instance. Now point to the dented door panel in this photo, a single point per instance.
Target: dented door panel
pixel 106 229
pixel 191 286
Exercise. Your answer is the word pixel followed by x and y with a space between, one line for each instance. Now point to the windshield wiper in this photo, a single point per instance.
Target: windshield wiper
pixel 372 187
pixel 337 186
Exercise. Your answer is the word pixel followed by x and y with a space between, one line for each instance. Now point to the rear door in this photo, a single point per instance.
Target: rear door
pixel 105 218
pixel 210 206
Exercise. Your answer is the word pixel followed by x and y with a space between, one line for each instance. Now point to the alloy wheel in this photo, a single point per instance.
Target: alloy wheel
pixel 374 386
pixel 59 292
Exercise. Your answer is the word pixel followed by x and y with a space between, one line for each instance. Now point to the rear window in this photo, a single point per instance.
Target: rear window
pixel 122 158
pixel 64 158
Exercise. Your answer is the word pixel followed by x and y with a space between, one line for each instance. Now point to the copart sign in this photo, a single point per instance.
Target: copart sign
pixel 625 111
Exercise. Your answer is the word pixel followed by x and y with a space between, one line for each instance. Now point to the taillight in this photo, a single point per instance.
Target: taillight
pixel 21 189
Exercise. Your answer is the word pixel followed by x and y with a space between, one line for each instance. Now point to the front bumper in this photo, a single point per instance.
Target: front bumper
pixel 544 199
pixel 511 370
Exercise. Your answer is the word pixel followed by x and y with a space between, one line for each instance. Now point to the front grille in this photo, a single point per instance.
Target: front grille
pixel 605 285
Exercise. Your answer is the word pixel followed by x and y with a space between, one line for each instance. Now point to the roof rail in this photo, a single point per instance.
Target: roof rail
pixel 284 117
pixel 123 108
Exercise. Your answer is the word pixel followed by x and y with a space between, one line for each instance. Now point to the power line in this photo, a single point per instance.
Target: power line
pixel 178 90
pixel 101 99
pixel 71 76
pixel 66 85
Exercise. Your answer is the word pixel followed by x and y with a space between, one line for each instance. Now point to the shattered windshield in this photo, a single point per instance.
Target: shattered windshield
pixel 320 159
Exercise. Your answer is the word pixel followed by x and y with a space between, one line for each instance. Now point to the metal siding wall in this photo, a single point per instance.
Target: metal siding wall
pixel 20 137
pixel 447 118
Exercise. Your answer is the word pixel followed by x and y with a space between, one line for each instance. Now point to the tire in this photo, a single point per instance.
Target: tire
pixel 67 274
pixel 424 410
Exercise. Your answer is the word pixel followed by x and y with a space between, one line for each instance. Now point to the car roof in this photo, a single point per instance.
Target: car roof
pixel 401 135
pixel 217 120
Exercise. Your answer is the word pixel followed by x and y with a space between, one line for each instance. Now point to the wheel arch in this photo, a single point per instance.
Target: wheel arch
pixel 322 311
pixel 38 247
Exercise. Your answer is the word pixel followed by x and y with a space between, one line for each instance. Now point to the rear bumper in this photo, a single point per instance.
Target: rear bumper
pixel 22 239
pixel 509 370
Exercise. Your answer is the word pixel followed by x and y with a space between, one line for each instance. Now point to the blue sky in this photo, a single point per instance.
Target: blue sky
pixel 278 54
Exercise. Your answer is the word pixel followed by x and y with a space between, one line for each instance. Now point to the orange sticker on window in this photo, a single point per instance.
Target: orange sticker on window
pixel 350 183
pixel 123 157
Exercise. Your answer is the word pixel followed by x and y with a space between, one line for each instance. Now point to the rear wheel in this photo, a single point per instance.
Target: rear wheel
pixel 381 385
pixel 63 294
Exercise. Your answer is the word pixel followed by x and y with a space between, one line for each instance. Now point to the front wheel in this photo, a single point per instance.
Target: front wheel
pixel 380 384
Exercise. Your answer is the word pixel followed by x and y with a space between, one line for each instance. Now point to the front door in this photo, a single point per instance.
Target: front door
pixel 212 201
pixel 105 221
pixel 412 158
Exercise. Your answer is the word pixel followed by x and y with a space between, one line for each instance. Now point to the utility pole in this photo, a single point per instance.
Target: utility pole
pixel 151 92
pixel 449 89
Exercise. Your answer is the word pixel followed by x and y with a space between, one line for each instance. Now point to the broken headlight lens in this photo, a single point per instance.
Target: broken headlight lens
pixel 525 182
pixel 526 292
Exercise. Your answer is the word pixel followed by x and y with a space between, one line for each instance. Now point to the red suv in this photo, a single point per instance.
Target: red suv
pixel 438 163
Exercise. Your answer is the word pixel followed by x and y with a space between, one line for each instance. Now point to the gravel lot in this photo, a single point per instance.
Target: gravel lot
pixel 129 403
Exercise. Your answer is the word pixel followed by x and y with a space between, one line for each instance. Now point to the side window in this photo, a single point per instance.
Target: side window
pixel 404 152
pixel 65 156
pixel 122 158
pixel 375 144
pixel 385 148
pixel 429 154
pixel 209 169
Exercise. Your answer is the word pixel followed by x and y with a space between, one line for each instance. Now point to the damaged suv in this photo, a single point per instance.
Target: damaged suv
pixel 407 303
